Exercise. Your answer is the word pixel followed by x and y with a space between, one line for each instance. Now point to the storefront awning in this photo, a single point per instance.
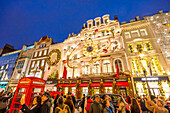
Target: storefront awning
pixel 122 84
pixel 83 84
pixel 107 84
pixel 96 84
pixel 58 85
pixel 64 85
pixel 72 85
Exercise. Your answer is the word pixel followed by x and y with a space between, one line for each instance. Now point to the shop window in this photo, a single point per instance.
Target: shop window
pixel 35 55
pixel 148 45
pixel 127 35
pixel 85 90
pixel 45 52
pixel 96 68
pixel 108 90
pixel 40 53
pixel 20 64
pixel 139 47
pixel 135 34
pixel 143 32
pixel 106 67
pixel 135 67
pixel 117 61
pixel 130 47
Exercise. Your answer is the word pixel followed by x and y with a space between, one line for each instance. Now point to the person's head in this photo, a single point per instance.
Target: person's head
pixel 37 100
pixel 138 99
pixel 45 96
pixel 135 105
pixel 97 98
pixel 84 95
pixel 160 102
pixel 88 97
pixel 106 103
pixel 144 96
pixel 69 98
pixel 60 100
pixel 57 96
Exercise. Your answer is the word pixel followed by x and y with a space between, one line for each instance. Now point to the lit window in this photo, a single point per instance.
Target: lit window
pixel 139 47
pixel 148 45
pixel 130 47
pixel 35 55
pixel 40 53
pixel 106 67
pixel 38 63
pixel 42 63
pixel 135 67
pixel 143 32
pixel 33 63
pixel 117 61
pixel 127 35
pixel 135 34
pixel 45 52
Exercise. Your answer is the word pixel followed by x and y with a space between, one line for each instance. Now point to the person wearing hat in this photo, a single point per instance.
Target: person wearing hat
pixel 45 104
pixel 96 107
pixel 156 108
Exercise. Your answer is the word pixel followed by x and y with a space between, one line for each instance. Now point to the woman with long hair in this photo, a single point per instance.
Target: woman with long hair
pixel 122 105
pixel 106 107
pixel 35 105
pixel 69 102
pixel 55 102
pixel 135 107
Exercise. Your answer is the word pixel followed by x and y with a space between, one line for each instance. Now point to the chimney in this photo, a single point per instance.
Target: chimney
pixel 84 25
pixel 137 18
pixel 160 12
pixel 69 35
pixel 123 22
pixel 115 17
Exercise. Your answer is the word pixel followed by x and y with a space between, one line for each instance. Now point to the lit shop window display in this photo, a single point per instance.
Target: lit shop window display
pixel 95 90
pixel 140 89
pixel 155 89
pixel 85 90
pixel 108 90
pixel 166 89
pixel 66 90
pixel 73 90
pixel 51 88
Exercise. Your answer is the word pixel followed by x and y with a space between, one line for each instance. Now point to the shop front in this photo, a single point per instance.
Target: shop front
pixel 50 85
pixel 72 87
pixel 159 86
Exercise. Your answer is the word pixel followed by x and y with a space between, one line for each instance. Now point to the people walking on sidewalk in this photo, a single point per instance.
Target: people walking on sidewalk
pixel 45 104
pixel 96 107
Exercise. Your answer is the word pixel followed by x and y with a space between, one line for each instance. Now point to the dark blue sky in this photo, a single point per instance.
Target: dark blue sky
pixel 26 21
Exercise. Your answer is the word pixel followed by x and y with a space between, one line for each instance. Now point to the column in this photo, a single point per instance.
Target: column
pixel 91 68
pixel 131 90
pixel 111 64
pixel 114 87
pixel 101 66
pixel 101 87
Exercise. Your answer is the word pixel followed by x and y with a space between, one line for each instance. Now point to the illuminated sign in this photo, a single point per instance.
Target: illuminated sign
pixel 144 79
pixel 24 82
pixel 35 82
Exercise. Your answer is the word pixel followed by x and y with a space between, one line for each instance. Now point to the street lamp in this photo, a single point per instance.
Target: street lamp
pixel 144 72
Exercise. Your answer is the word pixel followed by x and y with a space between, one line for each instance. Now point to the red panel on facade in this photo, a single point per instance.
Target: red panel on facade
pixel 64 85
pixel 72 85
pixel 58 85
pixel 122 84
pixel 107 84
pixel 83 84
pixel 97 84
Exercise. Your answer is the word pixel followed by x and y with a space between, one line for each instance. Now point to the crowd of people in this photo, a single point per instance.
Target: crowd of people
pixel 104 104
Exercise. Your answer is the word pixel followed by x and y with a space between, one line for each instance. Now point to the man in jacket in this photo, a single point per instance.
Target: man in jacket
pixel 156 108
pixel 45 105
pixel 96 107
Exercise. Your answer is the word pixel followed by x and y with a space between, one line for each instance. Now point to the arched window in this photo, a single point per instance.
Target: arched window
pixel 96 68
pixel 117 61
pixel 106 66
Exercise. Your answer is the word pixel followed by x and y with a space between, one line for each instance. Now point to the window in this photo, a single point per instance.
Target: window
pixel 127 35
pixel 18 75
pixel 89 26
pixel 97 24
pixel 43 45
pixel 40 53
pixel 103 33
pixel 96 68
pixel 130 47
pixel 35 55
pixel 135 34
pixel 33 63
pixel 106 21
pixel 143 32
pixel 42 63
pixel 40 46
pixel 148 45
pixel 117 61
pixel 20 64
pixel 106 67
pixel 45 52
pixel 139 47
pixel 86 69
pixel 38 63
pixel 135 67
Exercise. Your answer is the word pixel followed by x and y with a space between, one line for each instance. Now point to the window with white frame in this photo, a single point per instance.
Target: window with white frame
pixel 35 55
pixel 143 32
pixel 42 62
pixel 86 69
pixel 96 68
pixel 135 34
pixel 127 35
pixel 33 63
pixel 106 66
pixel 117 61
pixel 45 52
pixel 38 63
pixel 40 53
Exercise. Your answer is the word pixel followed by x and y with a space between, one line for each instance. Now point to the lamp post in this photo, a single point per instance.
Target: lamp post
pixel 144 72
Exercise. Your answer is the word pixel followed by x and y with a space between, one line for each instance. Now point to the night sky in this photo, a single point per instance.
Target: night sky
pixel 26 21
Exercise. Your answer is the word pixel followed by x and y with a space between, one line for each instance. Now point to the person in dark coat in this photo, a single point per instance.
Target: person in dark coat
pixel 73 98
pixel 69 102
pixel 96 107
pixel 142 104
pixel 135 107
pixel 82 103
pixel 61 105
pixel 45 104
pixel 35 107
pixel 55 102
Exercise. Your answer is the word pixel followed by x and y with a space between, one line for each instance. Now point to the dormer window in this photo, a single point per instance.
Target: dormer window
pixel 106 21
pixel 89 26
pixel 97 24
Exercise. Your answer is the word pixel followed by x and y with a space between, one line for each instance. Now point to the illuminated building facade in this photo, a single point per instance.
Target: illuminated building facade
pixel 143 53
pixel 161 26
